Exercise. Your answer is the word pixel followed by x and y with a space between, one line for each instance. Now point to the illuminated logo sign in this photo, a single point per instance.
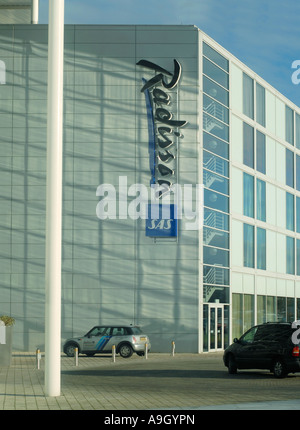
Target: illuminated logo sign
pixel 163 129
pixel 159 224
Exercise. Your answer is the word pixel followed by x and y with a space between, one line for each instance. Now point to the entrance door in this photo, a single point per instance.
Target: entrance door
pixel 216 327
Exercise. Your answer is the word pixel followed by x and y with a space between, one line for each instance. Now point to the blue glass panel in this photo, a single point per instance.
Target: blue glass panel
pixel 298 259
pixel 290 255
pixel 298 172
pixel 261 248
pixel 260 105
pixel 215 57
pixel 298 131
pixel 260 200
pixel 215 256
pixel 215 164
pixel 217 146
pixel 213 294
pixel 248 96
pixel 217 238
pixel 248 145
pixel 289 125
pixel 215 182
pixel 216 91
pixel 215 275
pixel 215 127
pixel 216 201
pixel 260 152
pixel 290 218
pixel 212 107
pixel 216 219
pixel 215 73
pixel 248 245
pixel 248 195
pixel 289 168
pixel 298 214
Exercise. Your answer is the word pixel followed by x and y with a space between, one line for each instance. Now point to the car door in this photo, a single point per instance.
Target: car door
pixel 95 340
pixel 245 353
pixel 103 341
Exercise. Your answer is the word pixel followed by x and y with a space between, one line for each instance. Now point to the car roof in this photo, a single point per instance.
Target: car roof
pixel 115 325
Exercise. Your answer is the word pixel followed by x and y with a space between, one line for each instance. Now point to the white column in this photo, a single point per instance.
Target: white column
pixel 54 197
pixel 34 11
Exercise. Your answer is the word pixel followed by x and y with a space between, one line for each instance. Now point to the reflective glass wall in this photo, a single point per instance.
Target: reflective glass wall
pixel 216 182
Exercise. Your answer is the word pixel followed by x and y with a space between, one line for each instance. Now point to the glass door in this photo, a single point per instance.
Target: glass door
pixel 216 327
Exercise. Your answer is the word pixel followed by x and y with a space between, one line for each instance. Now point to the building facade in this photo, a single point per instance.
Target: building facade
pixel 149 109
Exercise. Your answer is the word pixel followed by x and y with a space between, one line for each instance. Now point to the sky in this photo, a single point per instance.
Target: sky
pixel 263 34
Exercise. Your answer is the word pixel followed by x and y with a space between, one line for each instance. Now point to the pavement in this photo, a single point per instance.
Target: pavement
pixel 160 383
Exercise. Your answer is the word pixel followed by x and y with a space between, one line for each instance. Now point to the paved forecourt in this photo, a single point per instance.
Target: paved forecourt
pixel 160 382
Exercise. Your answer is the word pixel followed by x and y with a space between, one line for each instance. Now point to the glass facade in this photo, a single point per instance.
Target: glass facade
pixel 242 141
pixel 216 239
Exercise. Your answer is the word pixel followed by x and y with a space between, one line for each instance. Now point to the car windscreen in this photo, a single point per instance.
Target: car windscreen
pixel 136 330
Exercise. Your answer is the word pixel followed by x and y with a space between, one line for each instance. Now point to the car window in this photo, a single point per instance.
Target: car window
pixel 248 337
pixel 136 330
pixel 99 331
pixel 118 331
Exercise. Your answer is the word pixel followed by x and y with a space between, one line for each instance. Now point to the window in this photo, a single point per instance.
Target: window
pixel 261 248
pixel 297 131
pixel 215 127
pixel 215 275
pixel 298 172
pixel 248 337
pixel 248 145
pixel 215 256
pixel 217 146
pixel 215 73
pixel 298 260
pixel 298 214
pixel 290 218
pixel 260 152
pixel 290 255
pixel 216 91
pixel 260 200
pixel 217 238
pixel 215 57
pixel 289 168
pixel 289 125
pixel 215 200
pixel 215 182
pixel 214 108
pixel 260 105
pixel 216 219
pixel 248 245
pixel 281 309
pixel 248 195
pixel 215 164
pixel 248 96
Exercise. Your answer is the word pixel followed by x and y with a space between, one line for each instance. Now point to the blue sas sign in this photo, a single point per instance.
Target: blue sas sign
pixel 161 221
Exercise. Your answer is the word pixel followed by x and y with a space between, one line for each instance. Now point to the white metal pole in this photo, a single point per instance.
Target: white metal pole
pixel 54 197
pixel 34 11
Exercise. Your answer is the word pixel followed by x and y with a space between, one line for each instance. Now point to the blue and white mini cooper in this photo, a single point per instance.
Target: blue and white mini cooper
pixel 100 340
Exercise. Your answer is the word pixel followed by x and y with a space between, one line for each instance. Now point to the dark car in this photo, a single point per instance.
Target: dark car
pixel 272 346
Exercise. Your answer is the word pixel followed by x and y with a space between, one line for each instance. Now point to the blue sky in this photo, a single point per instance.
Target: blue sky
pixel 263 34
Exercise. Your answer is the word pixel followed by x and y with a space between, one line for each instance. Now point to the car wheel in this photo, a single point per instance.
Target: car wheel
pixel 125 350
pixel 232 367
pixel 279 369
pixel 70 349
